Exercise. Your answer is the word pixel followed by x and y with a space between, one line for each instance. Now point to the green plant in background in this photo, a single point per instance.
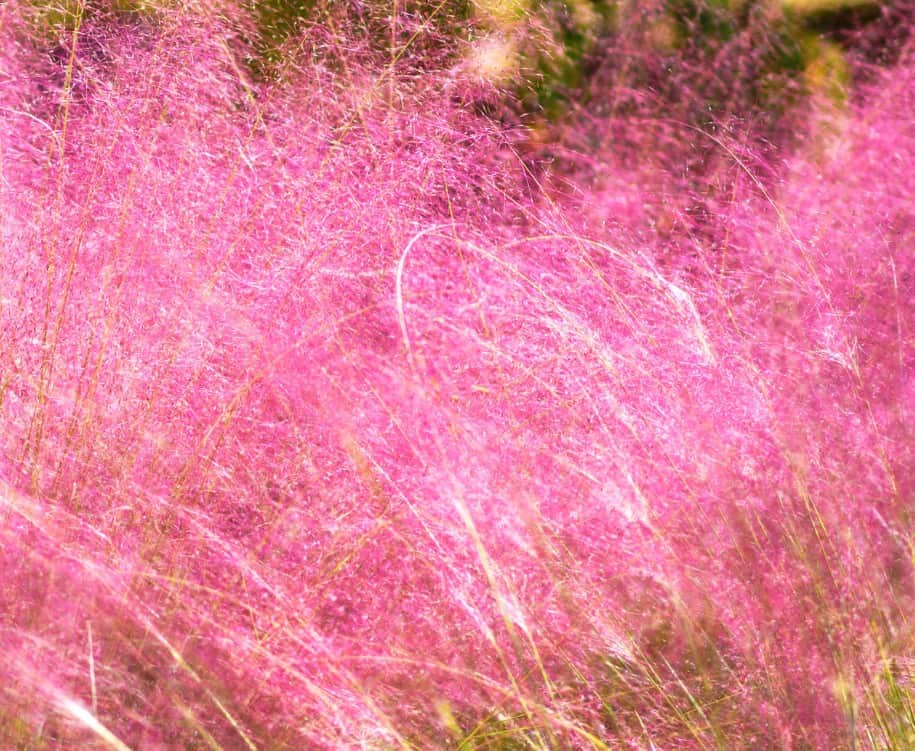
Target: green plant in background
pixel 50 20
pixel 400 32
pixel 737 53
pixel 554 44
pixel 560 46
pixel 548 56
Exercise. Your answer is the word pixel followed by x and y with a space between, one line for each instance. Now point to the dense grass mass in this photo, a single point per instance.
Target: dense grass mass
pixel 386 380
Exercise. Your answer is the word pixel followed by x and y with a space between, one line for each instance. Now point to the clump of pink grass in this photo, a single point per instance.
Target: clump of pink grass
pixel 326 423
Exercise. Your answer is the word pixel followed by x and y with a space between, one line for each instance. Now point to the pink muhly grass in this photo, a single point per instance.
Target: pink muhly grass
pixel 330 421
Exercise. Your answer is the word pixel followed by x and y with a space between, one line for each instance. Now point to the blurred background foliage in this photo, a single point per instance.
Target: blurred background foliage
pixel 700 63
pixel 547 53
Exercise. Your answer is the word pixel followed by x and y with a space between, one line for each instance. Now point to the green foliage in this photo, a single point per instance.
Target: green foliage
pixel 389 30
pixel 558 45
pixel 50 19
